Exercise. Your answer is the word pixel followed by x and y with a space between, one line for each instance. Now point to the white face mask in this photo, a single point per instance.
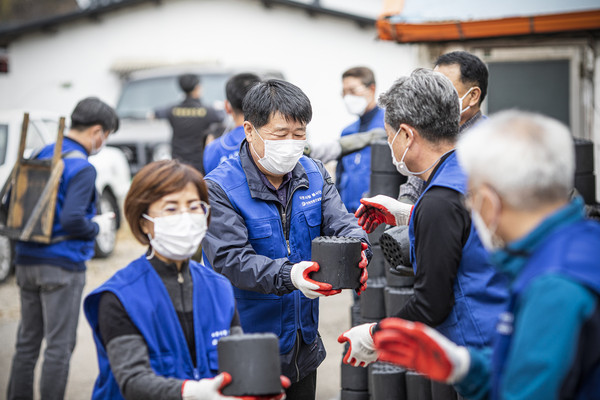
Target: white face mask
pixel 400 165
pixel 178 236
pixel 95 150
pixel 485 235
pixel 490 241
pixel 461 101
pixel 355 104
pixel 281 156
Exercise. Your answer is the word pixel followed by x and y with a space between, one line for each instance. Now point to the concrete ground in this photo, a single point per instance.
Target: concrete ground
pixel 334 319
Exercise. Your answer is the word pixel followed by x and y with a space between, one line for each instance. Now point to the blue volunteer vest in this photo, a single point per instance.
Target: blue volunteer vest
pixel 146 300
pixel 77 250
pixel 480 292
pixel 354 182
pixel 573 252
pixel 281 315
pixel 224 147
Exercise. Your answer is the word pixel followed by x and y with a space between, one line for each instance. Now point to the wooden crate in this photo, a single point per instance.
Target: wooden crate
pixel 33 186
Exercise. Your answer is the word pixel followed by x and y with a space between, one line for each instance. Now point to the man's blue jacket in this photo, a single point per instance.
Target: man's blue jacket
pixel 254 241
pixel 72 252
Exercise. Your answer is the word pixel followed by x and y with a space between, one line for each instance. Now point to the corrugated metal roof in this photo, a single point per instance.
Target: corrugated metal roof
pixel 433 21
pixel 421 11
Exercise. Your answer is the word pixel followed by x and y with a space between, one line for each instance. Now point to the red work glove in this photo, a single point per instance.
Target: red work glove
pixel 363 265
pixel 362 349
pixel 310 288
pixel 418 347
pixel 381 209
pixel 285 383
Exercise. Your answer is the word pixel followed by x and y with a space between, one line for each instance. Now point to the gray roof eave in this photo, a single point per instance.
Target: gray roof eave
pixel 9 33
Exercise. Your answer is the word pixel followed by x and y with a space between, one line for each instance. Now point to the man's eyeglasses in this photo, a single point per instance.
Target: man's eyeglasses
pixel 355 91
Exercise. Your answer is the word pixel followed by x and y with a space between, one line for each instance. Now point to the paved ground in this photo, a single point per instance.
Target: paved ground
pixel 335 318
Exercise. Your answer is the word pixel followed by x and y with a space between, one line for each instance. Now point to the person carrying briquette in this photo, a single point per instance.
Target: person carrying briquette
pixel 268 204
pixel 546 341
pixel 156 322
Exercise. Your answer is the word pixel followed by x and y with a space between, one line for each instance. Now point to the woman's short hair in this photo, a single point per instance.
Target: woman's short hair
pixel 527 158
pixel 152 183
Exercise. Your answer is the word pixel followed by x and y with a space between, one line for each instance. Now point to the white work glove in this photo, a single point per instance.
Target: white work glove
pixel 206 389
pixel 105 221
pixel 362 349
pixel 310 288
pixel 418 347
pixel 210 389
pixel 382 209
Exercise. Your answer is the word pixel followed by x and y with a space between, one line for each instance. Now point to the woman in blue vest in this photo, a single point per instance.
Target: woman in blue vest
pixel 521 168
pixel 156 322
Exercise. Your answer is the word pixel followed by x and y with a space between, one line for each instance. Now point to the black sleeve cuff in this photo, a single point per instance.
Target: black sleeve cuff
pixel 286 278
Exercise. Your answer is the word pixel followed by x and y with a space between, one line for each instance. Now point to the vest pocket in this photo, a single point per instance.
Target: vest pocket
pixel 260 235
pixel 313 219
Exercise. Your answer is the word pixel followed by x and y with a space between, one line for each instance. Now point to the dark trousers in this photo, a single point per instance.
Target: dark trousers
pixel 50 301
pixel 304 389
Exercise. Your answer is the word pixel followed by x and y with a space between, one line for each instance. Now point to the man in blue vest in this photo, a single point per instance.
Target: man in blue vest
pixel 456 289
pixel 354 170
pixel 51 276
pixel 228 145
pixel 268 203
pixel 521 169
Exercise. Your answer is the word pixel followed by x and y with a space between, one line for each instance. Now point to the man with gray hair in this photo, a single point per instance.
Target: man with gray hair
pixel 469 76
pixel 520 168
pixel 456 290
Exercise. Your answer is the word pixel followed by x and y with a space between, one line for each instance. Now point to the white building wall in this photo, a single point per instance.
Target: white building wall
pixel 54 70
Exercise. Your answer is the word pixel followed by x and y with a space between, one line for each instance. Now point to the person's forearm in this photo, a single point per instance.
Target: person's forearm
pixel 78 196
pixel 358 141
pixel 130 364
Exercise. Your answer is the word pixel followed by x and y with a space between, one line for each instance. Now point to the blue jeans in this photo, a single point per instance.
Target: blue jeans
pixel 50 303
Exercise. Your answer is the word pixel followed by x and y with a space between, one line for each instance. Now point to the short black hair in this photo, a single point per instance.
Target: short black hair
pixel 236 88
pixel 276 96
pixel 365 74
pixel 187 82
pixel 473 71
pixel 93 111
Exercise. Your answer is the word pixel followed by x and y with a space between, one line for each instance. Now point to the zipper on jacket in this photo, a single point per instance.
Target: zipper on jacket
pixel 286 232
pixel 284 213
pixel 185 328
